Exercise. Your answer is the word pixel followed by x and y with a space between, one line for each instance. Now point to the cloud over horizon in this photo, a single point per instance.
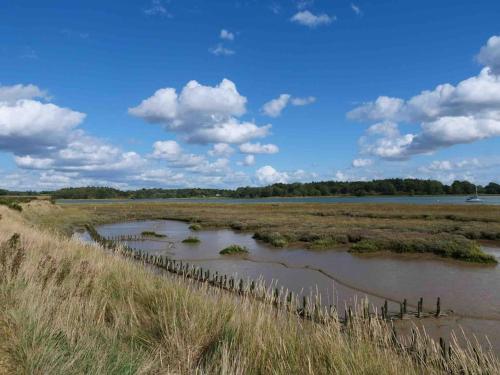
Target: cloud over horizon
pixel 448 115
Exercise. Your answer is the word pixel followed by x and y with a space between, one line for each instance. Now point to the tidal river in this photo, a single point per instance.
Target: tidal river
pixel 471 291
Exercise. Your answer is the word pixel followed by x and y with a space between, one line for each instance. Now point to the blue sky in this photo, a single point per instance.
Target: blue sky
pixel 251 92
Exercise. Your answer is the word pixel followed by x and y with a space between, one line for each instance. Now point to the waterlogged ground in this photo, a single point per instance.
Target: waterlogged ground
pixel 471 291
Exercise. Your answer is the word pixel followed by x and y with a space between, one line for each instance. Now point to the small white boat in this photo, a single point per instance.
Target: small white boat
pixel 474 198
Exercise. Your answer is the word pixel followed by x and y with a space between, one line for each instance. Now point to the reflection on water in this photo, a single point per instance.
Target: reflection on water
pixel 471 291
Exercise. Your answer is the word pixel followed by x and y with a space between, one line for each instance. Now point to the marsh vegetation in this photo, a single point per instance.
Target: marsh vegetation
pixel 66 308
pixel 152 234
pixel 191 240
pixel 445 231
pixel 233 250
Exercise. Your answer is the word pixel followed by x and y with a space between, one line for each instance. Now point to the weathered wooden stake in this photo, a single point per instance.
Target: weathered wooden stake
pixel 438 307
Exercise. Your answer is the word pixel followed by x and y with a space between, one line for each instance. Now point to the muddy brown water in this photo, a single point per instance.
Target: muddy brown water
pixel 341 278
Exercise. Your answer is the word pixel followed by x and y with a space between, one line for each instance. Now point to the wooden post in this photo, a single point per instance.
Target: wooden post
pixel 419 307
pixel 386 309
pixel 304 305
pixel 438 307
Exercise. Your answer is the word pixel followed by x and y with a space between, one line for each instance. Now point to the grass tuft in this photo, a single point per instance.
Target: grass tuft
pixel 446 247
pixel 191 240
pixel 274 238
pixel 234 249
pixel 147 233
pixel 195 227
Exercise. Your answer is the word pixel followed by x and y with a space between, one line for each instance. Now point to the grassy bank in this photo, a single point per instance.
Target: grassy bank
pixel 446 231
pixel 68 308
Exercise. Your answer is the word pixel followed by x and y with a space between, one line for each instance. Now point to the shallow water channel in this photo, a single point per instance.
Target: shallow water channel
pixel 471 291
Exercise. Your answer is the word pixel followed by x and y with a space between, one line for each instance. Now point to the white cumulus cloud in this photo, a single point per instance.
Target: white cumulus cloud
pixel 29 126
pixel 172 152
pixel 361 163
pixel 275 107
pixel 489 55
pixel 220 50
pixel 267 175
pixel 226 35
pixel 202 114
pixel 257 148
pixel 19 91
pixel 312 20
pixel 248 160
pixel 221 149
pixel 447 115
pixel 299 102
pixel 356 9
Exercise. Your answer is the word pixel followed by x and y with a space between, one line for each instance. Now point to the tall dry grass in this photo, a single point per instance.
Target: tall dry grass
pixel 71 308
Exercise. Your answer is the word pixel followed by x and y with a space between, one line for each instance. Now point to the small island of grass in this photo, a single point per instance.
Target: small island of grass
pixel 147 233
pixel 191 240
pixel 195 227
pixel 445 246
pixel 234 249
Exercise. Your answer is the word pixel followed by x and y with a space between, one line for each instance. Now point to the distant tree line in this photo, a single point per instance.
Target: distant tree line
pixel 393 186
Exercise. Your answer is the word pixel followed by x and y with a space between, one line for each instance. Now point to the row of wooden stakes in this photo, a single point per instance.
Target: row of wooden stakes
pixel 310 308
pixel 307 307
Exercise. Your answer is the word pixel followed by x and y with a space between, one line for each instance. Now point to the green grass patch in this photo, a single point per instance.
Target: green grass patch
pixel 234 249
pixel 191 240
pixel 14 203
pixel 195 227
pixel 446 247
pixel 274 238
pixel 322 244
pixel 147 233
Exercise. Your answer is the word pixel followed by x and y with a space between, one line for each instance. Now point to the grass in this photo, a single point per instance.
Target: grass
pixel 446 246
pixel 152 234
pixel 323 244
pixel 274 238
pixel 65 308
pixel 314 226
pixel 195 227
pixel 14 203
pixel 234 249
pixel 191 240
